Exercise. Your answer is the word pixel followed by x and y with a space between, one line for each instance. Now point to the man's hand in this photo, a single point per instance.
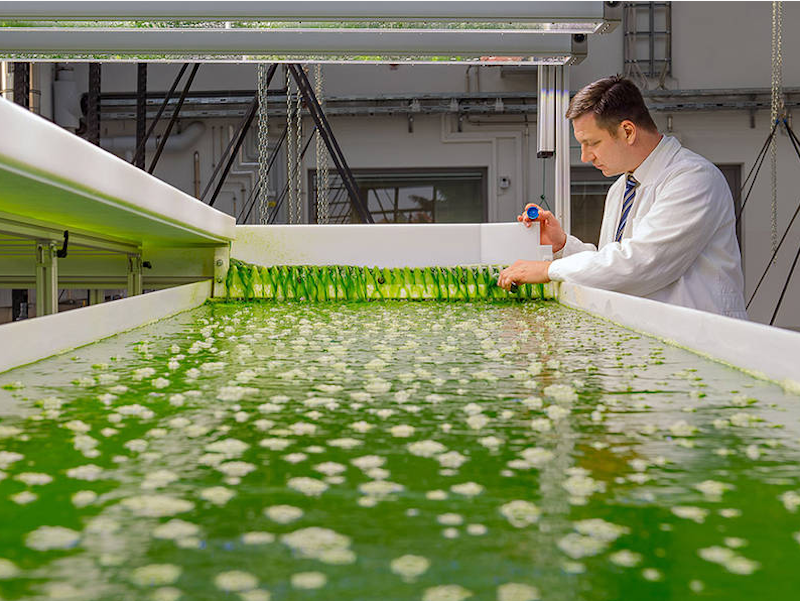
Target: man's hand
pixel 551 232
pixel 524 272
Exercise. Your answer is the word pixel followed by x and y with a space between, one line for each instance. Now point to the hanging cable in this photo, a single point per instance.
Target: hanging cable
pixel 543 197
pixel 755 169
pixel 287 186
pixel 777 110
pixel 785 286
pixel 774 254
pixel 796 145
pixel 322 155
pixel 298 163
pixel 263 145
pixel 244 216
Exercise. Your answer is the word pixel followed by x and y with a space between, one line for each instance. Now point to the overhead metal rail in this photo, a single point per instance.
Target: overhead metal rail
pixel 334 45
pixel 560 17
pixel 235 103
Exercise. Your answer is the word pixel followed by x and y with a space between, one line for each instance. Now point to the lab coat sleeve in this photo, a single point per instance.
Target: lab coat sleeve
pixel 690 206
pixel 574 246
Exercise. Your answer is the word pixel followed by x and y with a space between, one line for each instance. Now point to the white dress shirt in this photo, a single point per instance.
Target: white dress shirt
pixel 679 243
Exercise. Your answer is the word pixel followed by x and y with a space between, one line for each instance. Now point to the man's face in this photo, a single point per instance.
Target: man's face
pixel 610 154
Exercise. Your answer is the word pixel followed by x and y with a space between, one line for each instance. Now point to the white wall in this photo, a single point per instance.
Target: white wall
pixel 714 45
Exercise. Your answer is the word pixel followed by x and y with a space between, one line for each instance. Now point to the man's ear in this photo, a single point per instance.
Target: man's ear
pixel 629 131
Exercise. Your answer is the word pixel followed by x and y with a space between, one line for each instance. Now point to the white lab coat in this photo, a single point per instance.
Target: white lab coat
pixel 679 243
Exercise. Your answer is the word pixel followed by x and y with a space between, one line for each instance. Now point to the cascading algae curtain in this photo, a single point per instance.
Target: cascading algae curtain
pixel 346 282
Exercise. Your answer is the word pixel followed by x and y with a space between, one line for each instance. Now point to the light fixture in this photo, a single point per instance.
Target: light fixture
pixel 514 33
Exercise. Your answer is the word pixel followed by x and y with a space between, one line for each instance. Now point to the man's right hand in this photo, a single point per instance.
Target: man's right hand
pixel 551 232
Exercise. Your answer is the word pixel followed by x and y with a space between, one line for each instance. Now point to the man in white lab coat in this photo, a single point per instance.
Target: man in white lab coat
pixel 668 230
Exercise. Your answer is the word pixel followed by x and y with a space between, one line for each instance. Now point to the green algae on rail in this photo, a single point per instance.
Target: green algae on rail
pixel 345 282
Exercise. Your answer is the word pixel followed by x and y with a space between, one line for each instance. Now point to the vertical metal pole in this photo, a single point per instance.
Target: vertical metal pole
pixel 134 275
pixel 546 112
pixel 22 84
pixel 562 159
pixel 21 95
pixel 141 112
pixel 46 278
pixel 96 296
pixel 93 105
pixel 652 40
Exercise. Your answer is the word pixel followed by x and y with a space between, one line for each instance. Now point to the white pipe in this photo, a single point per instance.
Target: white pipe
pixel 66 99
pixel 180 141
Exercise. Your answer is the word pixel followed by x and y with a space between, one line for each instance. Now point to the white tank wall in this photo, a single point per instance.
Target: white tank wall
pixel 715 45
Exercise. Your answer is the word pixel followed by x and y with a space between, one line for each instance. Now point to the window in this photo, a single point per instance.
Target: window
pixel 409 195
pixel 588 189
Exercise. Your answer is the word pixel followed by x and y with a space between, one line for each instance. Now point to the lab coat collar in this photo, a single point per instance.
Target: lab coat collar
pixel 657 160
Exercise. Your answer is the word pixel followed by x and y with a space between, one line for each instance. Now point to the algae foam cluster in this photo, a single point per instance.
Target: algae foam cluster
pixel 353 283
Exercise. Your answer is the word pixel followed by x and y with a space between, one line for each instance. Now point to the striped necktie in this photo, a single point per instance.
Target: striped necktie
pixel 627 203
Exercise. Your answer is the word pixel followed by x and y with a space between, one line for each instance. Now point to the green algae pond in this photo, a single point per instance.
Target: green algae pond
pixel 508 451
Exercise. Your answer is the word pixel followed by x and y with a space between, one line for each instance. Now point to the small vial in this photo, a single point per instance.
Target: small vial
pixel 532 213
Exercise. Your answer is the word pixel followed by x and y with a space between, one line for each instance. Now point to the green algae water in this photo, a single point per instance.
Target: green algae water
pixel 395 450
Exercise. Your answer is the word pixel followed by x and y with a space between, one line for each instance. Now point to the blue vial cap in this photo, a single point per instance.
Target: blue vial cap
pixel 532 213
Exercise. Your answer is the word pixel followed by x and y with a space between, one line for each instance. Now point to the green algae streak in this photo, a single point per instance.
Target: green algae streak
pixel 352 283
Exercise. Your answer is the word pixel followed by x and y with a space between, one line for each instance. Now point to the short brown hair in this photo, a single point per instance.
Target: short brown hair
pixel 612 100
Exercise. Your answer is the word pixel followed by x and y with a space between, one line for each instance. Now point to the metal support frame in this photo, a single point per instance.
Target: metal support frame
pixel 141 113
pixel 96 296
pixel 647 47
pixel 46 277
pixel 562 156
pixel 134 275
pixel 173 119
pixel 222 260
pixel 324 128
pixel 93 104
pixel 39 230
pixel 140 146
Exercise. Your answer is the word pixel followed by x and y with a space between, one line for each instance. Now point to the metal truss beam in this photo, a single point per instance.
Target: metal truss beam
pixel 138 156
pixel 163 142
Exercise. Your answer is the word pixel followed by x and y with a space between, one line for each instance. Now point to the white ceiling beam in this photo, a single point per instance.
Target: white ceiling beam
pixel 309 45
pixel 604 13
